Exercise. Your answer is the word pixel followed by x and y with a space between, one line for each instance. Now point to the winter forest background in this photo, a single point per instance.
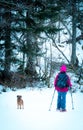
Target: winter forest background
pixel 36 37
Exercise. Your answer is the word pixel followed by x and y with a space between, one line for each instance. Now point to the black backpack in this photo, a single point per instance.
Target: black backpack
pixel 62 80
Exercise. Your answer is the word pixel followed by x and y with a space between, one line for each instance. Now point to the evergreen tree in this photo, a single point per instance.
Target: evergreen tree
pixel 5 36
pixel 28 20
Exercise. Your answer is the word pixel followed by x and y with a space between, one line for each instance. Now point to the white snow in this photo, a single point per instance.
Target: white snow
pixel 36 114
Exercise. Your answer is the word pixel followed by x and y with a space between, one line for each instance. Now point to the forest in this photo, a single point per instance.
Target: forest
pixel 27 28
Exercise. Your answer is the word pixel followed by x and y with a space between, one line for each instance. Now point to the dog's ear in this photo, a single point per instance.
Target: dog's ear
pixel 19 96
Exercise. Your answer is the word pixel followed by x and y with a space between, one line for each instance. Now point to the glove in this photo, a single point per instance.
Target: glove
pixel 70 88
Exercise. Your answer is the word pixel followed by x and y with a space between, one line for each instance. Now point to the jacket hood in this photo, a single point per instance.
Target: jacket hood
pixel 63 68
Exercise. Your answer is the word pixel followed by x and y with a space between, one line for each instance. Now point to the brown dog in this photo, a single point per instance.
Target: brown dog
pixel 20 103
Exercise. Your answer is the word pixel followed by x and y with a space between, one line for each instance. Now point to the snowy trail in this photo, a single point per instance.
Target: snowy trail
pixel 35 115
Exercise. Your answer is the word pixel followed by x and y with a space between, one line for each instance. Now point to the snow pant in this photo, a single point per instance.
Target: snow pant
pixel 61 100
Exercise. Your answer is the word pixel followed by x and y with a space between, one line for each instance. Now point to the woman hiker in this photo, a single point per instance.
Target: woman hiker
pixel 62 83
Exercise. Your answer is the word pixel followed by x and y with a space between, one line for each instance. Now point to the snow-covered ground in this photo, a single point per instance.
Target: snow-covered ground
pixel 36 114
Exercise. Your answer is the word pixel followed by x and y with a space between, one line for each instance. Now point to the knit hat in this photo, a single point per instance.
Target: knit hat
pixel 63 68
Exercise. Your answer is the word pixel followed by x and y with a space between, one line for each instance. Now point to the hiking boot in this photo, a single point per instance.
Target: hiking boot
pixel 63 110
pixel 57 109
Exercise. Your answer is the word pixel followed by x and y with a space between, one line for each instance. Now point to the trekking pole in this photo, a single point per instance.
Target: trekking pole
pixel 52 100
pixel 72 99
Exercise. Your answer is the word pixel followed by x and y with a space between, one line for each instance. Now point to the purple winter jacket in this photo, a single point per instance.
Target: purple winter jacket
pixel 62 89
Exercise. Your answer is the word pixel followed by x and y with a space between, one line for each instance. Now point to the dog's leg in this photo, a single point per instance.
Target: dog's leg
pixel 17 106
pixel 23 106
pixel 20 106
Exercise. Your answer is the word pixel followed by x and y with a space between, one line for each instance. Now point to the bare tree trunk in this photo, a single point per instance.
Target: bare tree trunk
pixel 73 56
pixel 31 51
pixel 8 49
